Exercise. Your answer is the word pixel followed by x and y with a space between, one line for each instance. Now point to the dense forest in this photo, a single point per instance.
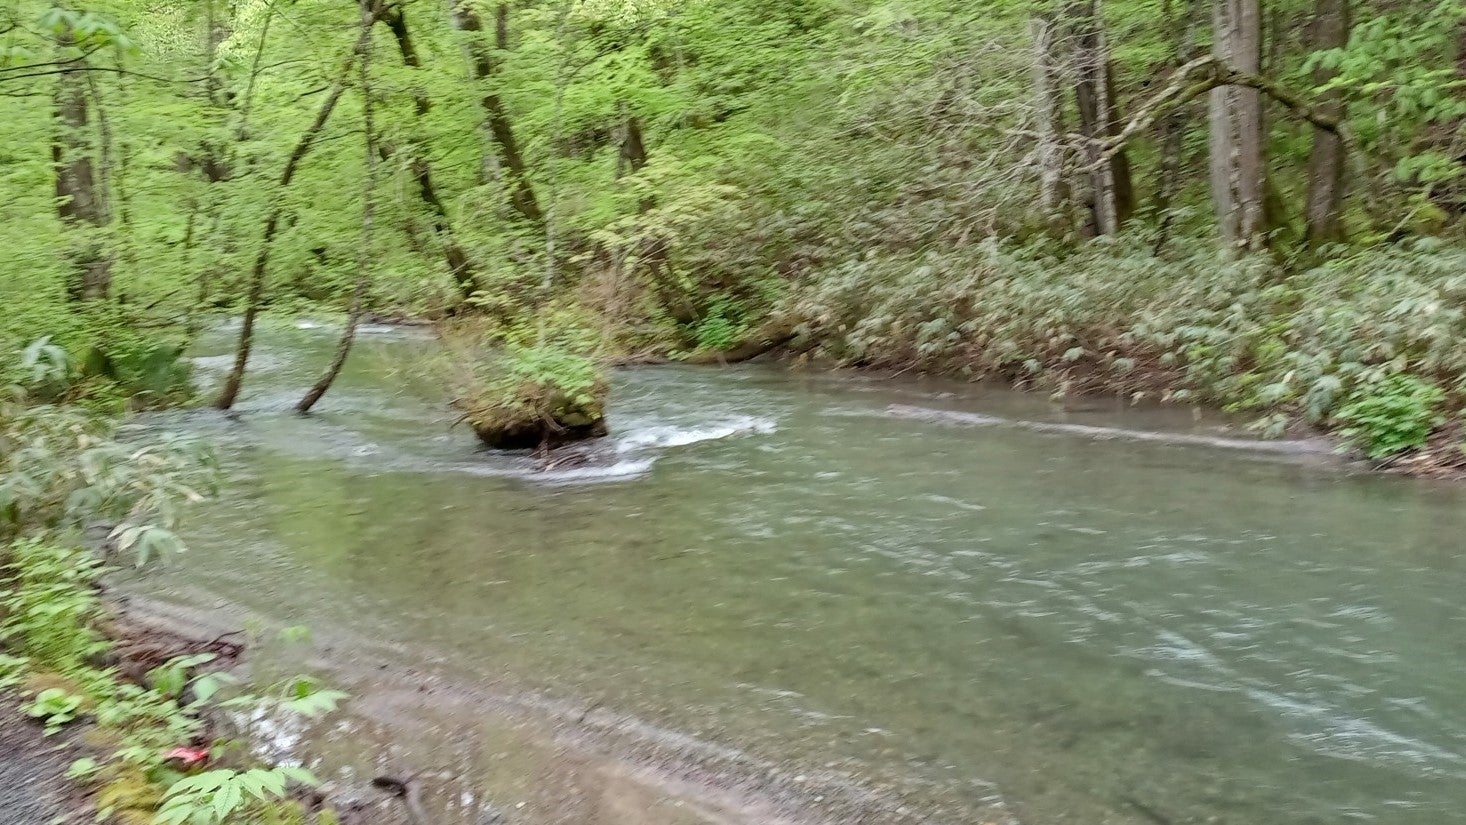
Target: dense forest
pixel 1252 204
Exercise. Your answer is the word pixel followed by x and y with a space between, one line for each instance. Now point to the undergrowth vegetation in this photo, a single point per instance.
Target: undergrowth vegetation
pixel 149 741
pixel 1374 340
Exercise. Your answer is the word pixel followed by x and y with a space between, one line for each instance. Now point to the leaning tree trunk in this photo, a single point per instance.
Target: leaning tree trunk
pixel 232 384
pixel 516 174
pixel 1048 105
pixel 460 263
pixel 1237 159
pixel 1112 194
pixel 364 251
pixel 81 200
pixel 1324 205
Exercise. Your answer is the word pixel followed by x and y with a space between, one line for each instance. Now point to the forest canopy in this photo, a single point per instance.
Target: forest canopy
pixel 1257 203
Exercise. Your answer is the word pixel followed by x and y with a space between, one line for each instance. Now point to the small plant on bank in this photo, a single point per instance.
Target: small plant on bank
pixel 1391 417
pixel 723 328
pixel 55 707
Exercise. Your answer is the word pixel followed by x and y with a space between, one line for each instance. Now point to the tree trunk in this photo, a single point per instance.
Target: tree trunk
pixel 1238 164
pixel 1049 121
pixel 652 252
pixel 1322 210
pixel 80 201
pixel 460 264
pixel 1183 36
pixel 364 251
pixel 521 193
pixel 230 392
pixel 1112 194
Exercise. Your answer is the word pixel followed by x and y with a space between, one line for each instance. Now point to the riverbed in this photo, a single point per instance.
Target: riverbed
pixel 810 597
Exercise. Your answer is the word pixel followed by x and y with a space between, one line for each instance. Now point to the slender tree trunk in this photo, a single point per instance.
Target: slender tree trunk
pixel 1174 145
pixel 364 252
pixel 232 384
pixel 81 200
pixel 1112 194
pixel 1238 165
pixel 460 264
pixel 516 175
pixel 632 155
pixel 1322 210
pixel 651 251
pixel 1049 118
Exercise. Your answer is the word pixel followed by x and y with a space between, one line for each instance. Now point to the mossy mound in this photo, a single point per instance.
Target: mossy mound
pixel 538 415
pixel 534 397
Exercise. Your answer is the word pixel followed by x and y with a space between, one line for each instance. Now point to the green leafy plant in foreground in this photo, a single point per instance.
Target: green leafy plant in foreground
pixel 63 468
pixel 55 707
pixel 1392 417
pixel 227 795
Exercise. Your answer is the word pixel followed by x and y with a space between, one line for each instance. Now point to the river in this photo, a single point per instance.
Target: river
pixel 807 597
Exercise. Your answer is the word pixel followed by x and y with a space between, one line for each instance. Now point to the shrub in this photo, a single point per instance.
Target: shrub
pixel 62 468
pixel 1391 417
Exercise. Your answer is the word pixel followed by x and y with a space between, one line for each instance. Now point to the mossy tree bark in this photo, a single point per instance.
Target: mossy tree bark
pixel 501 129
pixel 1111 191
pixel 1238 164
pixel 81 196
pixel 1323 208
pixel 460 264
pixel 1049 121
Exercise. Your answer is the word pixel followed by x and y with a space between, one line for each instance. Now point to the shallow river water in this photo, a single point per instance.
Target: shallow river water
pixel 806 598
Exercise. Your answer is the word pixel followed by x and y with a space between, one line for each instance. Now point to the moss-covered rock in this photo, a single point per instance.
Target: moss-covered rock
pixel 538 415
pixel 533 397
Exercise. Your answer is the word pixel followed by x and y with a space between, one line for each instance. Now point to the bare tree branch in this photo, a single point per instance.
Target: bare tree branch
pixel 1200 76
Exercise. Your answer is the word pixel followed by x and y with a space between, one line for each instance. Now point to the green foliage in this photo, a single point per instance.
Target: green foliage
pixel 550 369
pixel 1393 416
pixel 722 328
pixel 224 795
pixel 1191 327
pixel 55 707
pixel 49 605
pixel 518 395
pixel 62 468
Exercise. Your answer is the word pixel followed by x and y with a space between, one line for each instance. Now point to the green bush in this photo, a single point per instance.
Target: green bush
pixel 1391 417
pixel 722 328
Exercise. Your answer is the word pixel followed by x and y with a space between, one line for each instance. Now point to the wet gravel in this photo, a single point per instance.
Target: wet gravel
pixel 33 787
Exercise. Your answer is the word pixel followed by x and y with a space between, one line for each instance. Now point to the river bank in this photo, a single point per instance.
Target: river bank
pixel 1365 344
pixel 33 784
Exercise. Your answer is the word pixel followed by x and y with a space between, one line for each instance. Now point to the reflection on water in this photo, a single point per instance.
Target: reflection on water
pixel 976 622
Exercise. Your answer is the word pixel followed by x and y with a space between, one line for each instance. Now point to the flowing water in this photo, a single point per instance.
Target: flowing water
pixel 776 597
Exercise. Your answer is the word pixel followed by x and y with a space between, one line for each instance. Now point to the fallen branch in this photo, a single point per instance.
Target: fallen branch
pixel 409 791
pixel 767 339
pixel 1202 75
